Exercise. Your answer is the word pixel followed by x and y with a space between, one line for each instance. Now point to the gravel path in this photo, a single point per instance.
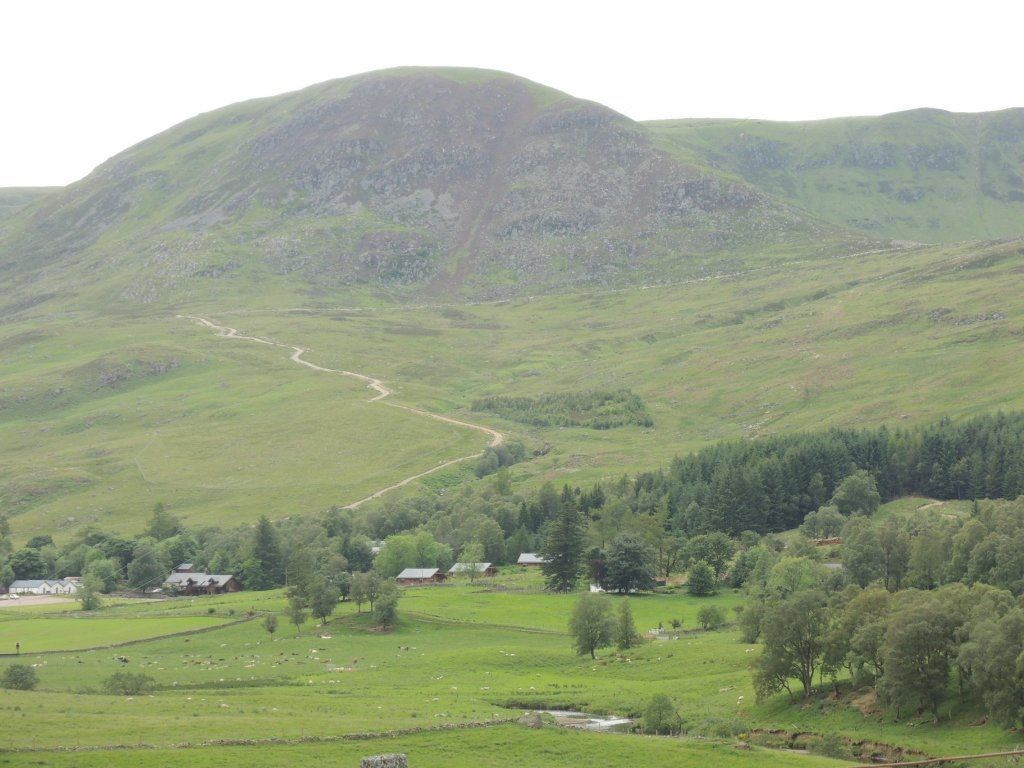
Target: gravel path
pixel 497 438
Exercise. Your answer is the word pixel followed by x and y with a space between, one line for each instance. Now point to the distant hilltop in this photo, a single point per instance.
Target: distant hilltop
pixel 435 183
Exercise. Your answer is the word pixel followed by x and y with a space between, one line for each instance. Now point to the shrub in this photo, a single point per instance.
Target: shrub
pixel 270 623
pixel 710 617
pixel 701 582
pixel 832 745
pixel 19 677
pixel 129 683
pixel 660 717
pixel 718 727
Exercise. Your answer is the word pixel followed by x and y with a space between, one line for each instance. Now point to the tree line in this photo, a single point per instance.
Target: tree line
pixel 773 483
pixel 733 487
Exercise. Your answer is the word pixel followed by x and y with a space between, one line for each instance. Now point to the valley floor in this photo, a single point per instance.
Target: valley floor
pixel 462 655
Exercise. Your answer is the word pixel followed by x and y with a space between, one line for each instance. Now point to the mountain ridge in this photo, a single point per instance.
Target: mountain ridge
pixel 469 183
pixel 455 182
pixel 925 174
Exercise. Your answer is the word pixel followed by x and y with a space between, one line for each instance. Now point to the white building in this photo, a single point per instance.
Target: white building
pixel 44 587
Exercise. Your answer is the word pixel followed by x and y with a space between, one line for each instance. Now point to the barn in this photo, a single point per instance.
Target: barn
pixel 482 569
pixel 190 583
pixel 412 577
pixel 531 559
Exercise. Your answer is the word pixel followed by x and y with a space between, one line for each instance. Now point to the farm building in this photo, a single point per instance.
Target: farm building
pixel 530 559
pixel 413 576
pixel 44 586
pixel 183 568
pixel 482 569
pixel 189 583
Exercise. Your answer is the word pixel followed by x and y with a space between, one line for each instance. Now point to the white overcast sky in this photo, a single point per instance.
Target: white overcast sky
pixel 83 80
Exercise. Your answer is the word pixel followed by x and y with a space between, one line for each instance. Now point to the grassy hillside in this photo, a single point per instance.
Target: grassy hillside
pixel 924 175
pixel 101 418
pixel 394 183
pixel 13 199
pixel 896 337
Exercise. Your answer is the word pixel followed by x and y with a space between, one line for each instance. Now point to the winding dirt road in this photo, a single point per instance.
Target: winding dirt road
pixel 497 438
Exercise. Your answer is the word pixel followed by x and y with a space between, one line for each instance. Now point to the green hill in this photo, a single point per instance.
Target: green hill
pixel 13 199
pixel 402 182
pixel 469 236
pixel 924 175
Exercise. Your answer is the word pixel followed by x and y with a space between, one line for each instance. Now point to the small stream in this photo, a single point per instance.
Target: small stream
pixel 583 721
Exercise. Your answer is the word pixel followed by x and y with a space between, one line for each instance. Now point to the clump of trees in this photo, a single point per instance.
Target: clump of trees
pixel 594 409
pixel 710 617
pixel 498 457
pixel 926 607
pixel 774 483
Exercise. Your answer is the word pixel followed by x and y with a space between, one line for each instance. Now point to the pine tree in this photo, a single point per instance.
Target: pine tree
pixel 625 629
pixel 564 549
pixel 266 571
pixel 299 574
pixel 162 525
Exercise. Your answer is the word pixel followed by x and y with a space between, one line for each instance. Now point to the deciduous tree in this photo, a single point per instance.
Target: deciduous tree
pixel 591 624
pixel 630 564
pixel 794 631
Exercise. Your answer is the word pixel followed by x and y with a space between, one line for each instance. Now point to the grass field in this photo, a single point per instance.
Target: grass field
pixel 496 747
pixel 912 507
pixel 461 654
pixel 54 634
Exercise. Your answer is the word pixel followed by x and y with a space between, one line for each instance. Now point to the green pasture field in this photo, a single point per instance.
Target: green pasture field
pixel 460 654
pixel 546 611
pixel 74 631
pixel 496 747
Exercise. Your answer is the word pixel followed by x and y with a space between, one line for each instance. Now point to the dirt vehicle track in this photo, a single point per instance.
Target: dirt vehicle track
pixel 497 438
